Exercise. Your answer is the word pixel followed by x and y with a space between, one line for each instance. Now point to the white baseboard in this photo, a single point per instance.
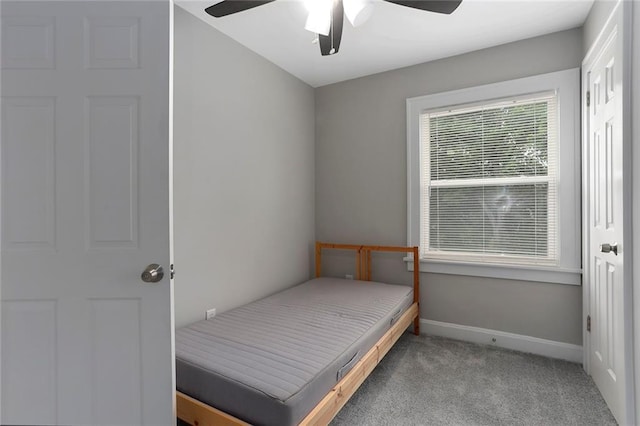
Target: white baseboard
pixel 517 342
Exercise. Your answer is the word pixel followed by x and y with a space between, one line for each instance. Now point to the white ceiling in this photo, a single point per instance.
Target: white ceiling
pixel 394 37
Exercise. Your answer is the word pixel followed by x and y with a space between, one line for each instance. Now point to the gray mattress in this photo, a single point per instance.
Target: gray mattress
pixel 270 362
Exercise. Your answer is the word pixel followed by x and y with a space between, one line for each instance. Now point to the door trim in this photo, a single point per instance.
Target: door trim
pixel 624 8
pixel 635 108
pixel 172 8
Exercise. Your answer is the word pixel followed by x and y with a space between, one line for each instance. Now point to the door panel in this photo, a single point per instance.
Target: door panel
pixel 118 381
pixel 38 317
pixel 112 169
pixel 85 208
pixel 28 42
pixel 28 157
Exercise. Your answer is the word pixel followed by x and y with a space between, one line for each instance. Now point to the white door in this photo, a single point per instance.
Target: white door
pixel 604 269
pixel 85 208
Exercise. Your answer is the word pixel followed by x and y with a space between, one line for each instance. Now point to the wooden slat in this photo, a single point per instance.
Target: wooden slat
pixel 197 413
pixel 399 249
pixel 339 246
pixel 363 257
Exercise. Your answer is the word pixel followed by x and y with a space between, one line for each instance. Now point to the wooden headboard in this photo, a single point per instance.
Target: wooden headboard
pixel 363 265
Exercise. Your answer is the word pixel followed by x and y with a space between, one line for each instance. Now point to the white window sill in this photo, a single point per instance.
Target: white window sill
pixel 543 274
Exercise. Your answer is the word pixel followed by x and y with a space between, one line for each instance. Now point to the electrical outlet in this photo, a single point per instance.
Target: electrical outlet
pixel 210 313
pixel 349 276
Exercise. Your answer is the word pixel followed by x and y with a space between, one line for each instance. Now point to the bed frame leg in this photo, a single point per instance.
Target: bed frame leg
pixel 318 259
pixel 416 289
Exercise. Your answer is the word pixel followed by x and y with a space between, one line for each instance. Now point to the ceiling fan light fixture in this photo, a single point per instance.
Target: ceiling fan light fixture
pixel 319 19
pixel 357 11
pixel 318 22
pixel 326 17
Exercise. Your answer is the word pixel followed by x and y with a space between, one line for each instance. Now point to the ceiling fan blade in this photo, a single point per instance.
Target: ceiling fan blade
pixel 438 6
pixel 228 7
pixel 330 44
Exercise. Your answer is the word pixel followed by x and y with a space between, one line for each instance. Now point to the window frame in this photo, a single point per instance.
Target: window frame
pixel 566 84
pixel 428 183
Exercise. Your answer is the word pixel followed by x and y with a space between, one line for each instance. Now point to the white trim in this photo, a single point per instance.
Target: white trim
pixel 543 274
pixel 627 203
pixel 601 35
pixel 635 110
pixel 516 342
pixel 171 198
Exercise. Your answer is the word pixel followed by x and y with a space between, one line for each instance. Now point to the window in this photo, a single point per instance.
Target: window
pixel 488 180
pixel 485 192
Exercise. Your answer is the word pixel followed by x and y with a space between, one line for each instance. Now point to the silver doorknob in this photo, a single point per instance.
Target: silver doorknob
pixel 153 273
pixel 608 248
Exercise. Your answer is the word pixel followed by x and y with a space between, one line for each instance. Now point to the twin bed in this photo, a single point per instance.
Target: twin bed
pixel 295 357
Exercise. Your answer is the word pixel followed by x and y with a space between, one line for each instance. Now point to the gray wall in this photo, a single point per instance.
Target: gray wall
pixel 598 16
pixel 361 184
pixel 244 173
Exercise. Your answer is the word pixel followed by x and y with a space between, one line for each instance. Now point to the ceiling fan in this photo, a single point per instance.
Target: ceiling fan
pixel 326 17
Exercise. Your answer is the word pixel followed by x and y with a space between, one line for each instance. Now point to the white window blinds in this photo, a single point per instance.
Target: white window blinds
pixel 488 179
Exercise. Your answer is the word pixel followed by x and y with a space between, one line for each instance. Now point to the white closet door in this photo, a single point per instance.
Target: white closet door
pixel 607 344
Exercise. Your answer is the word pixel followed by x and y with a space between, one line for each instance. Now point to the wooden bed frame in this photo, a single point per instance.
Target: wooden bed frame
pixel 197 413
